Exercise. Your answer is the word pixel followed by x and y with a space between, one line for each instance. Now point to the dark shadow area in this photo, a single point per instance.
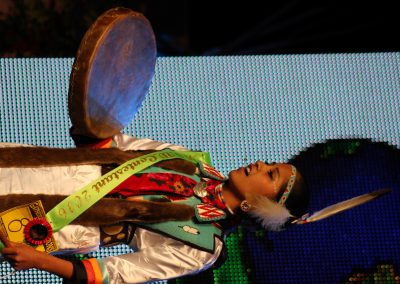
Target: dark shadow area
pixel 50 28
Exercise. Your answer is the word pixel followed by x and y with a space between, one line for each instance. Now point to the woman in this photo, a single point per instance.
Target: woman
pixel 271 193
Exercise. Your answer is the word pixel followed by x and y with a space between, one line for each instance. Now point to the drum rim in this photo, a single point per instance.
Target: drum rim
pixel 78 85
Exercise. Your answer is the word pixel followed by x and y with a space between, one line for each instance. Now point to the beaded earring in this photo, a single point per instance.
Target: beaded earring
pixel 245 206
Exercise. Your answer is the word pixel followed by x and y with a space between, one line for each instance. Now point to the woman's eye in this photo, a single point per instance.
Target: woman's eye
pixel 272 175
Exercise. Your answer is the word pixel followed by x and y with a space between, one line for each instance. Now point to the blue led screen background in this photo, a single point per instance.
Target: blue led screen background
pixel 335 116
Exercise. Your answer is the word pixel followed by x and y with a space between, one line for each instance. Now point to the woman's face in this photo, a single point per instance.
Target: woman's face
pixel 260 178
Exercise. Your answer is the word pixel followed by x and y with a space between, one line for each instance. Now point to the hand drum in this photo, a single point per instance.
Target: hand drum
pixel 112 73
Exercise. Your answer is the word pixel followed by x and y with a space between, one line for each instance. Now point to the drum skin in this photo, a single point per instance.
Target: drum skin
pixel 112 73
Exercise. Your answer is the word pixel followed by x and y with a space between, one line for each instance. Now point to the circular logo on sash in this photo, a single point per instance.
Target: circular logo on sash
pixel 38 231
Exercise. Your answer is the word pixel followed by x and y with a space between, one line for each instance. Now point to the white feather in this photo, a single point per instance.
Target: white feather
pixel 269 213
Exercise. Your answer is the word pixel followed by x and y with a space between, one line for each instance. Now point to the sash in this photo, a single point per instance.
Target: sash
pixel 77 203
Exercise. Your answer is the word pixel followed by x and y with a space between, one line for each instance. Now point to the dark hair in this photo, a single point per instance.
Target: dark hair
pixel 299 198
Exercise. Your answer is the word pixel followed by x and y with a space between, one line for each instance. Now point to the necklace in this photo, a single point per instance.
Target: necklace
pixel 210 193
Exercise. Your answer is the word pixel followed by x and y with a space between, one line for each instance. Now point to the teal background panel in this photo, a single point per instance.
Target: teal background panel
pixel 239 108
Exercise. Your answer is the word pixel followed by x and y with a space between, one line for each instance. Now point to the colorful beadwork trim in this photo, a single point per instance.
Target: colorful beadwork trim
pixel 218 191
pixel 95 271
pixel 210 172
pixel 289 187
pixel 206 212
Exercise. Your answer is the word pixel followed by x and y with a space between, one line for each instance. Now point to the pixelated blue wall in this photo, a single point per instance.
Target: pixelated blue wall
pixel 310 109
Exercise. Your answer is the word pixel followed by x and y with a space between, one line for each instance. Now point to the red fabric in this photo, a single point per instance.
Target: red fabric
pixel 153 183
pixel 161 183
pixel 89 272
pixel 212 197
